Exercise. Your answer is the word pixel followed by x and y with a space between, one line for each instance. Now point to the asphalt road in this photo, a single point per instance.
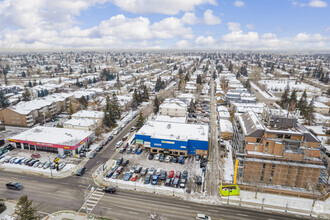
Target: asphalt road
pixel 51 195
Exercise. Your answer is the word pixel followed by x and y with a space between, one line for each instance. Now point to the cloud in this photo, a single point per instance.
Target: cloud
pixel 295 3
pixel 182 44
pixel 239 3
pixel 304 37
pixel 317 4
pixel 250 26
pixel 190 18
pixel 234 26
pixel 206 41
pixel 168 7
pixel 171 27
pixel 211 19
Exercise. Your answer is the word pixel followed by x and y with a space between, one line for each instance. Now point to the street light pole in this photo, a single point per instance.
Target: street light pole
pixel 228 196
pixel 50 167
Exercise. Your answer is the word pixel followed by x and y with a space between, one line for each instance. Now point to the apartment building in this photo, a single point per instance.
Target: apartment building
pixel 275 149
pixel 26 114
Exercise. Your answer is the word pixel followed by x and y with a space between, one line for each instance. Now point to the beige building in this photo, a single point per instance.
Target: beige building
pixel 174 108
pixel 94 115
pixel 81 124
pixel 26 114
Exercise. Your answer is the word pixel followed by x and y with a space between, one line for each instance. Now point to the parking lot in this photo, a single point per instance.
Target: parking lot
pixel 16 160
pixel 131 175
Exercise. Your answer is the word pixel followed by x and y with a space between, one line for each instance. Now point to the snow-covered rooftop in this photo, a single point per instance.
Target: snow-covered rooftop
pixel 52 135
pixel 83 122
pixel 175 131
pixel 88 114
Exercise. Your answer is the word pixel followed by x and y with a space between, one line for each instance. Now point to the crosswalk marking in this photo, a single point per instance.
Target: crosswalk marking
pixel 92 200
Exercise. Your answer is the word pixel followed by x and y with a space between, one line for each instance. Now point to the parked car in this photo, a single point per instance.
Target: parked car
pixel 99 148
pixel 134 177
pixel 185 174
pixel 36 155
pixel 132 128
pixel 62 156
pixel 199 180
pixel 175 160
pixel 61 166
pixel 168 182
pixel 144 171
pixel 154 180
pixel 122 150
pixel 158 172
pixel 127 176
pixel 147 179
pixel 36 164
pixel 115 176
pixel 12 160
pixel 14 186
pixel 119 143
pixel 168 158
pixel 181 159
pixel 151 156
pixel 171 174
pixel 109 174
pixel 119 170
pixel 124 163
pixel 151 170
pixel 163 175
pixel 138 169
pixel 124 138
pixel 157 156
pixel 129 150
pixel 161 158
pixel 33 162
pixel 109 189
pixel 139 151
pixel 197 157
pixel 81 171
pixel 82 154
pixel 119 161
pixel 116 132
pixel 183 183
pixel 133 150
pixel 178 174
pixel 133 168
pixel 176 182
pixel 47 164
pixel 92 155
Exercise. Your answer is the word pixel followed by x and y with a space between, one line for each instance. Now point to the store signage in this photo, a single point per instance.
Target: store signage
pixel 168 142
pixel 138 141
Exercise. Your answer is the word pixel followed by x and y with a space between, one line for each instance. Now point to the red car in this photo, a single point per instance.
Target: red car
pixel 134 177
pixel 171 175
pixel 178 174
pixel 37 155
pixel 120 169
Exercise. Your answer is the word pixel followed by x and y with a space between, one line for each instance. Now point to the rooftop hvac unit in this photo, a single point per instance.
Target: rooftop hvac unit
pixel 169 126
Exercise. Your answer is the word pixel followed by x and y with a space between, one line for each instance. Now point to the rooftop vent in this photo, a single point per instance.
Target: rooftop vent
pixel 169 126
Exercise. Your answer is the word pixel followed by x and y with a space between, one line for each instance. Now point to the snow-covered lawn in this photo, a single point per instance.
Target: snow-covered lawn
pixel 228 165
pixel 280 85
pixel 266 95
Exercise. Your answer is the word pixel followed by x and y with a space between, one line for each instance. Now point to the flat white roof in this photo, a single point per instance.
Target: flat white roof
pixel 88 114
pixel 82 122
pixel 53 135
pixel 175 131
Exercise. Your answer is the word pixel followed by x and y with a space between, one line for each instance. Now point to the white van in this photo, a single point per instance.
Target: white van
pixel 119 143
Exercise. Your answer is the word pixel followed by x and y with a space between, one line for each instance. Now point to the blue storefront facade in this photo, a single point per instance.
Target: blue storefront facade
pixel 173 147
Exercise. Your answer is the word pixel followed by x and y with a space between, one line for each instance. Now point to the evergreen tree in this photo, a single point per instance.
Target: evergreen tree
pixel 199 79
pixel 302 104
pixel 94 79
pixel 83 101
pixel 180 71
pixel 309 111
pixel 30 84
pixel 192 107
pixel 26 96
pixel 24 209
pixel 285 99
pixel 145 93
pixel 140 121
pixel 293 100
pixel 71 112
pixel 40 82
pixel 23 74
pixel 186 77
pixel 159 84
pixel 4 103
pixel 156 105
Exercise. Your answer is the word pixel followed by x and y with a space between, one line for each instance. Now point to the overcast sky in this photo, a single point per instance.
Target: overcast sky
pixel 246 24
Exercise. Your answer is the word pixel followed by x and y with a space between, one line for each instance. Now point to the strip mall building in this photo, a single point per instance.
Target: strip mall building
pixel 50 139
pixel 173 138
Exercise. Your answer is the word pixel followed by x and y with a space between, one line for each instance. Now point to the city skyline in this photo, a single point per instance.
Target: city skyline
pixel 146 24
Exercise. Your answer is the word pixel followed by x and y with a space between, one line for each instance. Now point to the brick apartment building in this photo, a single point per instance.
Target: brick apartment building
pixel 275 149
